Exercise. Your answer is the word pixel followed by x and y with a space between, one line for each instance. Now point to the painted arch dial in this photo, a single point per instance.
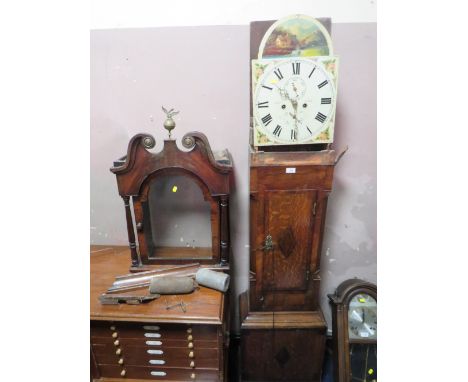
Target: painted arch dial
pixel 294 101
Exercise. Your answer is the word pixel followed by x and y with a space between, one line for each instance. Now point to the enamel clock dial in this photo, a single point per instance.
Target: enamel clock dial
pixel 294 101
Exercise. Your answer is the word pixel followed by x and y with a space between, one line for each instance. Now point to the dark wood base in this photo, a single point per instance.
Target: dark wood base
pixel 281 346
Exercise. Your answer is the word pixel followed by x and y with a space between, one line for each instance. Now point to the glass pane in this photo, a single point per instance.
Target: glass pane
pixel 363 362
pixel 180 219
pixel 362 317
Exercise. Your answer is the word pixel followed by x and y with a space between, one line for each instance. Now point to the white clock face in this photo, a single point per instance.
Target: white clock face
pixel 294 101
pixel 362 317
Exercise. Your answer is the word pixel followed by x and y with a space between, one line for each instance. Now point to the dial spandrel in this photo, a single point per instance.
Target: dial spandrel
pixel 298 95
pixel 362 317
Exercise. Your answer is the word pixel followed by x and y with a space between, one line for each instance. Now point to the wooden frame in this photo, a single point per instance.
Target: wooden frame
pixel 137 170
pixel 340 304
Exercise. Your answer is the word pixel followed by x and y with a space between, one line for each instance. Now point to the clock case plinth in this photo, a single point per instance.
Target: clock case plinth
pixel 341 343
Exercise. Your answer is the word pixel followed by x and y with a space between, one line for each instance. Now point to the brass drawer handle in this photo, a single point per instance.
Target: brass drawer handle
pixel 116 343
pixel 192 364
pixel 192 376
pixel 190 338
pixel 118 351
pixel 121 361
pixel 190 345
pixel 112 328
pixel 189 330
pixel 123 372
pixel 191 354
pixel 115 335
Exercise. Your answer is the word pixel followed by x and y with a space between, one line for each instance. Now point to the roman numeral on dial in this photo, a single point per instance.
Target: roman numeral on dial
pixel 296 67
pixel 321 85
pixel 267 87
pixel 312 72
pixel 325 101
pixel 279 74
pixel 264 104
pixel 266 119
pixel 293 135
pixel 309 130
pixel 277 130
pixel 320 117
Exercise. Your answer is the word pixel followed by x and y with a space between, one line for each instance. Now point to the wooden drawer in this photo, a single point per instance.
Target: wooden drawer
pixel 153 331
pixel 159 374
pixel 168 357
pixel 155 342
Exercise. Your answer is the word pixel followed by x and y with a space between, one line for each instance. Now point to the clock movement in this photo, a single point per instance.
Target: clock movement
pixel 354 312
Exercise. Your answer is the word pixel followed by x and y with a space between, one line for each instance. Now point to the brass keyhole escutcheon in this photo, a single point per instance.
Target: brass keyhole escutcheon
pixel 268 243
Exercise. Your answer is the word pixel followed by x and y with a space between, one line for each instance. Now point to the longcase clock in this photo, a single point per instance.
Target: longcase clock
pixel 291 177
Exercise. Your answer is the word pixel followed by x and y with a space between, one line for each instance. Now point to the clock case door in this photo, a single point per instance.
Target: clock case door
pixel 288 203
pixel 341 341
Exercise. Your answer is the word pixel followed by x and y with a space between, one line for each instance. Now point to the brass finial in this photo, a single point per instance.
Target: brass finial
pixel 169 123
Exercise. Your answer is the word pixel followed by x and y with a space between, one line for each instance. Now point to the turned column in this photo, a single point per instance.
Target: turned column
pixel 131 232
pixel 224 204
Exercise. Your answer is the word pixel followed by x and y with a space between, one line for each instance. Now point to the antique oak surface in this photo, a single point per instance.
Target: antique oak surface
pixel 288 202
pixel 149 342
pixel 283 328
pixel 204 305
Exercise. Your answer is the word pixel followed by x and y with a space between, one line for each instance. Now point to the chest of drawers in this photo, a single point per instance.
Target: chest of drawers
pixel 157 352
pixel 149 342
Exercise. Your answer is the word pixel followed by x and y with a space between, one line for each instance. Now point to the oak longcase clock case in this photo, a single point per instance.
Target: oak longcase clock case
pixel 288 202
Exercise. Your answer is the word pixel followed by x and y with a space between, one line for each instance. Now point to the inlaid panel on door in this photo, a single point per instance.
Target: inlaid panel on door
pixel 289 220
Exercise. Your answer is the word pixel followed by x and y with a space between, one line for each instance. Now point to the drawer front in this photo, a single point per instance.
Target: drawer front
pixel 153 331
pixel 165 357
pixel 159 374
pixel 155 342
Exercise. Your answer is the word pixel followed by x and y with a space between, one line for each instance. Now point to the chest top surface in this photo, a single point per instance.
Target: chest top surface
pixel 204 306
